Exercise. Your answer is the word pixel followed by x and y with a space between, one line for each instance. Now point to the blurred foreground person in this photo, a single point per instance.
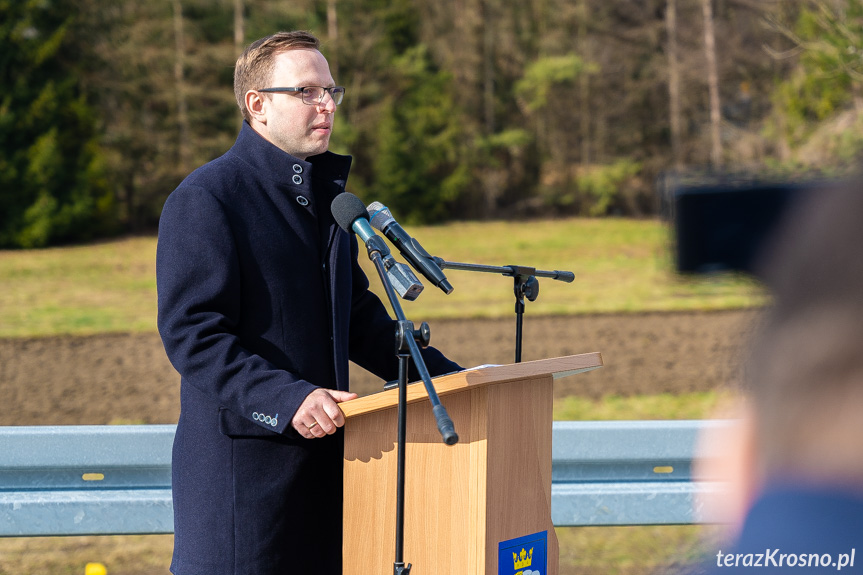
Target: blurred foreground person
pixel 796 464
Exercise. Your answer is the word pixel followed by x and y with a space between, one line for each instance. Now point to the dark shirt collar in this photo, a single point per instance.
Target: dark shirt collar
pixel 275 164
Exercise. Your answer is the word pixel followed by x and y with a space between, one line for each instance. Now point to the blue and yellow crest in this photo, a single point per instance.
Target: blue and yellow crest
pixel 526 555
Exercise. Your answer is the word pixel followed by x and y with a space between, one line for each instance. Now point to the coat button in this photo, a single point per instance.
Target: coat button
pixel 298 169
pixel 302 200
pixel 297 179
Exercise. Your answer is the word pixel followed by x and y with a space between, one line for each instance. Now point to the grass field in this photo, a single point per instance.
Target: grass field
pixel 619 266
pixel 695 405
pixel 649 550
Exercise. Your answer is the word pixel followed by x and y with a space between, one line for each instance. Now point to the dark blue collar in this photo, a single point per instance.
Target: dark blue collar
pixel 277 165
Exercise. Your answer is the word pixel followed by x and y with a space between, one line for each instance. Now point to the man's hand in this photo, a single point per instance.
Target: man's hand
pixel 319 414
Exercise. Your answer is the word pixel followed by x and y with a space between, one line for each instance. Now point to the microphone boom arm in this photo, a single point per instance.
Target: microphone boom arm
pixel 510 271
pixel 525 284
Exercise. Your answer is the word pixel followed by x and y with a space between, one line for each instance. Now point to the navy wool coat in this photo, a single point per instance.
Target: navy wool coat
pixel 261 301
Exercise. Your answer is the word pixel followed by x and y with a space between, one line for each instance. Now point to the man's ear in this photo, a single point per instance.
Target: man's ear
pixel 256 104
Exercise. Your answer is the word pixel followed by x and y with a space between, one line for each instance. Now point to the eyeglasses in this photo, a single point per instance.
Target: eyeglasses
pixel 313 95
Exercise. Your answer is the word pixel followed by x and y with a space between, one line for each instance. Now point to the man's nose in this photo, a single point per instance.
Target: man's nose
pixel 327 103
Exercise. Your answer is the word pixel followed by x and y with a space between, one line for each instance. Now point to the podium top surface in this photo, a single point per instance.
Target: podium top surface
pixel 557 367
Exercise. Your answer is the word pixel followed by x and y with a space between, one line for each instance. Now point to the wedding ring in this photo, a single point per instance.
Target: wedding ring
pixel 313 424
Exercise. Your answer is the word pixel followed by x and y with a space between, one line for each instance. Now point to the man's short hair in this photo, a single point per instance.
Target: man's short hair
pixel 255 65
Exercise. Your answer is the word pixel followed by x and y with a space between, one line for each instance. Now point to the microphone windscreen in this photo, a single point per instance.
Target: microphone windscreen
pixel 346 208
pixel 379 215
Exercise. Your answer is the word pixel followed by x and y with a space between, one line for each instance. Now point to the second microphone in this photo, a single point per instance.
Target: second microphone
pixel 413 252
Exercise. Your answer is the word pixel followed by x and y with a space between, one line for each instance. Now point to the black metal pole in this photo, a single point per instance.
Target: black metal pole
pixel 399 567
pixel 519 315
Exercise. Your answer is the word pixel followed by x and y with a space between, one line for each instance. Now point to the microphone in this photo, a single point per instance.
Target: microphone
pixel 411 249
pixel 351 215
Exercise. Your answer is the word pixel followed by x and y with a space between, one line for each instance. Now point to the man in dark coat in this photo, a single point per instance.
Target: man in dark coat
pixel 261 305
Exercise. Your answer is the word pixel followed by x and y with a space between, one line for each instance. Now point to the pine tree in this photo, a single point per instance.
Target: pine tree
pixel 52 177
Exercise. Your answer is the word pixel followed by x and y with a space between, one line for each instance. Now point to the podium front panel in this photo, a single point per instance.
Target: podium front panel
pixel 462 500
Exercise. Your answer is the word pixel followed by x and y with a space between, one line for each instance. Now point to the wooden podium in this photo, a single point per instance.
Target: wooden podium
pixel 461 501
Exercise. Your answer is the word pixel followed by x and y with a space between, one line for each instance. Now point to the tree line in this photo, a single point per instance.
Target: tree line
pixel 455 109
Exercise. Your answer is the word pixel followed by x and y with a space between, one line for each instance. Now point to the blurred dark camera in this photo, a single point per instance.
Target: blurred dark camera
pixel 726 228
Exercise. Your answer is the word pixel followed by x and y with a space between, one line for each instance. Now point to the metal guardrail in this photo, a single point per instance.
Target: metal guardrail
pixel 86 480
pixel 627 473
pixel 106 480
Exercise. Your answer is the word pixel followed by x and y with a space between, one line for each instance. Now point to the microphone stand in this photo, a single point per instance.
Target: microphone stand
pixel 525 285
pixel 407 348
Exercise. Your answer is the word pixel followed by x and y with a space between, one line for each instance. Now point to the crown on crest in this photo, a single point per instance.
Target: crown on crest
pixel 523 559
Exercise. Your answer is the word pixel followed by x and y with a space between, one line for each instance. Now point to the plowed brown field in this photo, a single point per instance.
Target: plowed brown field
pixel 126 378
